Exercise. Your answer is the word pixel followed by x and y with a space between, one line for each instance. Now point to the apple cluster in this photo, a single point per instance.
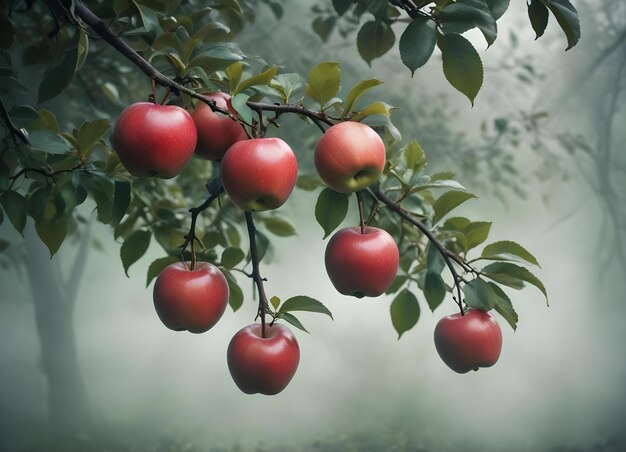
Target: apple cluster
pixel 260 174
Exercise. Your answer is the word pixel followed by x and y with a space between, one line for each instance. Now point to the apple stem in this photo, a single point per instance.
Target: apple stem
pixel 378 194
pixel 190 238
pixel 166 97
pixel 359 199
pixel 256 273
pixel 152 96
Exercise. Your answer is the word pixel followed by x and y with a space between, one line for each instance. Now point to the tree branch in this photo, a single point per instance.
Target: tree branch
pixel 256 273
pixel 16 132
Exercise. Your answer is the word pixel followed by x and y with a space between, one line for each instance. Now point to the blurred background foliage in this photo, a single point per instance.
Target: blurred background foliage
pixel 543 146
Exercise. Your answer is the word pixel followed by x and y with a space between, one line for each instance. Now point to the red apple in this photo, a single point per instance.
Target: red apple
pixel 192 300
pixel 216 132
pixel 350 156
pixel 362 264
pixel 468 342
pixel 259 174
pixel 154 140
pixel 263 365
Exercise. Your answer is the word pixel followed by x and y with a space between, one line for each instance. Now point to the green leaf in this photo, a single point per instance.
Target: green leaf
pixel 376 108
pixel 59 74
pixel 538 15
pixel 414 156
pixel 275 301
pixel 235 300
pixel 405 312
pixel 239 103
pixel 417 43
pixel 323 82
pixel 511 275
pixel 357 91
pixel 121 201
pixel 434 290
pixel 15 207
pixel 449 201
pixel 462 66
pixel 304 303
pixel 7 33
pixel 158 265
pixel 324 26
pixel 434 260
pixel 231 256
pixel 498 7
pixel 134 247
pixel 309 182
pixel 567 17
pixel 330 210
pixel 234 73
pixel 264 78
pixel 479 294
pixel 464 15
pixel 395 285
pixel 444 183
pixel 49 142
pixel 287 85
pixel 279 226
pixel 507 250
pixel 504 307
pixel 38 202
pixel 341 6
pixel 375 38
pixel 290 318
pixel 52 232
pixel 149 19
pixel 90 133
pixel 476 233
pixel 3 244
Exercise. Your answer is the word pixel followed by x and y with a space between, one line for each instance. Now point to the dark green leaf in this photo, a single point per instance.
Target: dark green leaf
pixel 15 207
pixel 395 285
pixel 480 295
pixel 38 202
pixel 504 307
pixel 512 275
pixel 341 6
pixel 449 201
pixel 158 265
pixel 357 91
pixel 134 247
pixel 149 19
pixel 239 103
pixel 49 142
pixel 461 64
pixel 405 312
pixel 231 256
pixel 507 250
pixel 498 7
pixel 330 210
pixel 324 26
pixel 538 15
pixel 52 232
pixel 293 320
pixel 375 38
pixel 323 82
pixel 235 300
pixel 304 303
pixel 417 43
pixel 59 74
pixel 279 226
pixel 7 33
pixel 121 201
pixel 434 260
pixel 567 17
pixel 262 244
pixel 434 290
pixel 464 15
pixel 3 245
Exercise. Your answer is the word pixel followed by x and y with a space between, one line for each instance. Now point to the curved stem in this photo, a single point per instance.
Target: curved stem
pixel 256 273
pixel 359 199
pixel 378 193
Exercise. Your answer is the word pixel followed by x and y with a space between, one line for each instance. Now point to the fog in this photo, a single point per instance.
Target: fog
pixel 559 383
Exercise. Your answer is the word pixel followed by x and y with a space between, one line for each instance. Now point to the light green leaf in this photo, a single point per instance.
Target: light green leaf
pixel 376 108
pixel 375 38
pixel 476 233
pixel 264 78
pixel 507 250
pixel 449 201
pixel 275 301
pixel 134 247
pixel 405 312
pixel 512 275
pixel 157 266
pixel 231 256
pixel 414 156
pixel 279 226
pixel 461 64
pixel 417 43
pixel 304 303
pixel 90 133
pixel 357 91
pixel 323 82
pixel 330 209
pixel 287 85
pixel 234 73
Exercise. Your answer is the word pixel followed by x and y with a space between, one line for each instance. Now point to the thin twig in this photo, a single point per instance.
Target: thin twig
pixel 16 132
pixel 256 273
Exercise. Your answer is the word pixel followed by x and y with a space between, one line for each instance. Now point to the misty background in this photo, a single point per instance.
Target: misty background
pixel 560 381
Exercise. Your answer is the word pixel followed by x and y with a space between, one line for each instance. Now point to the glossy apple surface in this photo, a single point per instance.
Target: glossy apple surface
pixel 361 264
pixel 259 174
pixel 216 132
pixel 192 300
pixel 349 157
pixel 263 365
pixel 468 342
pixel 154 140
